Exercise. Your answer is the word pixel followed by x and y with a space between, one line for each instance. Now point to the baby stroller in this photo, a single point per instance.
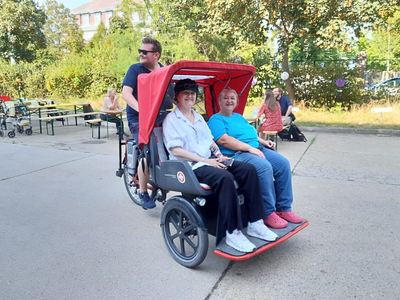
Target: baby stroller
pixel 19 119
pixel 3 117
pixel 188 217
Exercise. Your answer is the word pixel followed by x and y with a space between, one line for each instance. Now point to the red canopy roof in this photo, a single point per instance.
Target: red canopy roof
pixel 213 76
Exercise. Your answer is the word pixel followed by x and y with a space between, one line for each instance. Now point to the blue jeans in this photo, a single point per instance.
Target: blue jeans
pixel 277 194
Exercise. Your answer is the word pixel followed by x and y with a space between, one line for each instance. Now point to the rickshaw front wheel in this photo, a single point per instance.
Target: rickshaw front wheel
pixel 184 233
pixel 28 131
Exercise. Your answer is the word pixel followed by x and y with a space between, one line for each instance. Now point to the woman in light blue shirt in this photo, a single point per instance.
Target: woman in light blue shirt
pixel 187 137
pixel 238 139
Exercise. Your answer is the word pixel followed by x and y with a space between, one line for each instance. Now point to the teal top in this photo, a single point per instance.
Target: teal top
pixel 235 126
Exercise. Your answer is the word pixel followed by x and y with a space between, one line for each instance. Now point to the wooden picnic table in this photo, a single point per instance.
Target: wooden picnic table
pixel 252 120
pixel 117 113
pixel 50 120
pixel 38 110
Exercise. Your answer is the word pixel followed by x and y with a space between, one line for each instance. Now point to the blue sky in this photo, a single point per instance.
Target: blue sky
pixel 71 4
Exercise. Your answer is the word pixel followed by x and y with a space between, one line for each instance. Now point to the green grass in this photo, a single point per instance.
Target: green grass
pixel 359 117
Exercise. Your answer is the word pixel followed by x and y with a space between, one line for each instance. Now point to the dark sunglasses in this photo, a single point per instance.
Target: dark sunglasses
pixel 145 51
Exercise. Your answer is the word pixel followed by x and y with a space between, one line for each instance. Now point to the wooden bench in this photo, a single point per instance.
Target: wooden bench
pixel 95 123
pixel 50 120
pixel 274 134
pixel 61 112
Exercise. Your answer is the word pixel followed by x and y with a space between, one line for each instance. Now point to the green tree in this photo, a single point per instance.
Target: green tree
pixel 324 23
pixel 21 35
pixel 97 68
pixel 99 36
pixel 180 41
pixel 63 35
pixel 120 25
pixel 383 45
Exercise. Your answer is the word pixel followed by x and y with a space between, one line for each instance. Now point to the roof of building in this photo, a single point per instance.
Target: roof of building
pixel 96 5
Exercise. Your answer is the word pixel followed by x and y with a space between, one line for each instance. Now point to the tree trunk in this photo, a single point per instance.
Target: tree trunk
pixel 288 82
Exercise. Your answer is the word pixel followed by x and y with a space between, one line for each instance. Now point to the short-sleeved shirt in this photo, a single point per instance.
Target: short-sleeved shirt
pixel 107 103
pixel 130 80
pixel 178 131
pixel 273 119
pixel 235 126
pixel 284 103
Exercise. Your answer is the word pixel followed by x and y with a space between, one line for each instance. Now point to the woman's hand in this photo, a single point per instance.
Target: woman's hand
pixel 257 152
pixel 215 162
pixel 269 144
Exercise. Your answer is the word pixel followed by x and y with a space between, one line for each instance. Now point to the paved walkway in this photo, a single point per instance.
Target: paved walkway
pixel 68 229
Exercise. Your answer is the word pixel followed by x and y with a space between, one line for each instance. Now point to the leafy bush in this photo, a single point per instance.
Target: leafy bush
pixel 317 87
pixel 91 73
pixel 22 80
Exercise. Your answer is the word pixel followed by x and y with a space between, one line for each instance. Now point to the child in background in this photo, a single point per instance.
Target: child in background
pixel 272 112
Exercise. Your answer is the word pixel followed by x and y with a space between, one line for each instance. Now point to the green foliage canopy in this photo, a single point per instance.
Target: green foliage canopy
pixel 21 35
pixel 62 34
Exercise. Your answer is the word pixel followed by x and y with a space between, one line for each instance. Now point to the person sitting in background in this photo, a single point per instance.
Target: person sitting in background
pixel 286 106
pixel 239 140
pixel 187 137
pixel 111 103
pixel 271 109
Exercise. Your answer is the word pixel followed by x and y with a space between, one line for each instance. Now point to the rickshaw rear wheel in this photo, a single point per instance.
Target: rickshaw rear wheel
pixel 28 131
pixel 184 233
pixel 132 187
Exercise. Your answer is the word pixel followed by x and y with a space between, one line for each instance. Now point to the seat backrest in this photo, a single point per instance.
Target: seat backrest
pixel 162 152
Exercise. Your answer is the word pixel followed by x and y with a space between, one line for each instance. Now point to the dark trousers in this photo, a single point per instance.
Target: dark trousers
pixel 222 183
pixel 112 119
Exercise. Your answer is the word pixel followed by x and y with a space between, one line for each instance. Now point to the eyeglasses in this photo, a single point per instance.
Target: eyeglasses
pixel 145 51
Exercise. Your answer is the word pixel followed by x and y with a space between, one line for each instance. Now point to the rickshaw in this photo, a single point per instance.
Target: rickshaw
pixel 189 215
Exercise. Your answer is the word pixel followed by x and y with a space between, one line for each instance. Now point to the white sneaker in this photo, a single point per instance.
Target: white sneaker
pixel 259 230
pixel 238 241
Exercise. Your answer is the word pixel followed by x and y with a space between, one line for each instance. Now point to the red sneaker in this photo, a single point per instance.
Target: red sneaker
pixel 289 216
pixel 275 221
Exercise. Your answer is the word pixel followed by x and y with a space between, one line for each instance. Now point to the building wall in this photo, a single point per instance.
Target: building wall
pixel 89 21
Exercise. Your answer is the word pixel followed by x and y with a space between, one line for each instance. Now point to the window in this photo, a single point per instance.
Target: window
pixel 85 18
pixel 97 18
pixel 108 16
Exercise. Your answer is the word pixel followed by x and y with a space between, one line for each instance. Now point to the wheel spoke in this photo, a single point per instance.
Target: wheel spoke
pixel 182 244
pixel 175 220
pixel 190 242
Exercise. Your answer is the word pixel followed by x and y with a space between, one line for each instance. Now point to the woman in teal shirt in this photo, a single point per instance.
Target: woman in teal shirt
pixel 238 139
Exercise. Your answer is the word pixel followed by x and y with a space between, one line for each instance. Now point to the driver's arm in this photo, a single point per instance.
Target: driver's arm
pixel 127 95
